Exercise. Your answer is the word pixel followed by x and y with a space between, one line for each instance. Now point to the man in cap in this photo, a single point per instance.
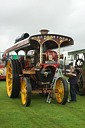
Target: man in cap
pixel 73 82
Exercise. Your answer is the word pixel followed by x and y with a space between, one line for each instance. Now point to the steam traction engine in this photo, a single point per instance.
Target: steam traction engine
pixel 35 72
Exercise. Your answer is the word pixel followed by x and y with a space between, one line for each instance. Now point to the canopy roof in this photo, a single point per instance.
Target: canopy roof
pixel 52 41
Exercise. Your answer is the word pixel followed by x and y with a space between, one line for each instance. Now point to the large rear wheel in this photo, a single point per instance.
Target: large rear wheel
pixel 80 87
pixel 11 79
pixel 26 92
pixel 62 90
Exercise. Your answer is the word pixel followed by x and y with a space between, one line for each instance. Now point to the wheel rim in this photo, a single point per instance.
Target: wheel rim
pixel 60 88
pixel 9 78
pixel 23 92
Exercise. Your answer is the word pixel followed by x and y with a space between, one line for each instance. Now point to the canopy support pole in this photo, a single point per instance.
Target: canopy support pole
pixel 59 54
pixel 41 51
pixel 25 55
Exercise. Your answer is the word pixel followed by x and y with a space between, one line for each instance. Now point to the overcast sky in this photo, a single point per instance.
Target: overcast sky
pixel 65 17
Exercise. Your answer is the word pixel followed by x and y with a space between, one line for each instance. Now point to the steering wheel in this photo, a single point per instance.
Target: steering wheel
pixel 79 63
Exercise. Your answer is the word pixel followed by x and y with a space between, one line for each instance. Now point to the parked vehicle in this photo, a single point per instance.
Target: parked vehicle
pixel 35 72
pixel 80 69
pixel 2 70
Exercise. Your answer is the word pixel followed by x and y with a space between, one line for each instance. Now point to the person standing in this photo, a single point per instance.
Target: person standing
pixel 73 82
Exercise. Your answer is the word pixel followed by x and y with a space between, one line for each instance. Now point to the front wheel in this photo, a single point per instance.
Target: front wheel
pixel 26 92
pixel 62 90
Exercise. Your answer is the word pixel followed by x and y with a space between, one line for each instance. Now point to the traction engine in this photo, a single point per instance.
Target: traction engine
pixel 35 72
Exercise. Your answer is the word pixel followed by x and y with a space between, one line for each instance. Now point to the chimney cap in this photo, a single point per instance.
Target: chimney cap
pixel 44 31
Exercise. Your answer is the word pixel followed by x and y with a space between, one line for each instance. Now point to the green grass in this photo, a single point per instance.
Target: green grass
pixel 40 114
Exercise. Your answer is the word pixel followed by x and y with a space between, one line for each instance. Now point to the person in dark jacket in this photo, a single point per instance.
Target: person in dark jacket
pixel 73 82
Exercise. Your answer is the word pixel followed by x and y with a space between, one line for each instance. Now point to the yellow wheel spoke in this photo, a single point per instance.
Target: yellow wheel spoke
pixel 10 86
pixel 9 73
pixel 25 96
pixel 10 69
pixel 24 91
pixel 9 81
pixel 58 95
pixel 61 91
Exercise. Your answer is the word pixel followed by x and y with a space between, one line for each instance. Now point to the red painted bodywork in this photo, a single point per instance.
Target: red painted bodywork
pixel 46 65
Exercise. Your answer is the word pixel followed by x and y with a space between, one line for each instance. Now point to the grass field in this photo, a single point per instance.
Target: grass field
pixel 40 114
